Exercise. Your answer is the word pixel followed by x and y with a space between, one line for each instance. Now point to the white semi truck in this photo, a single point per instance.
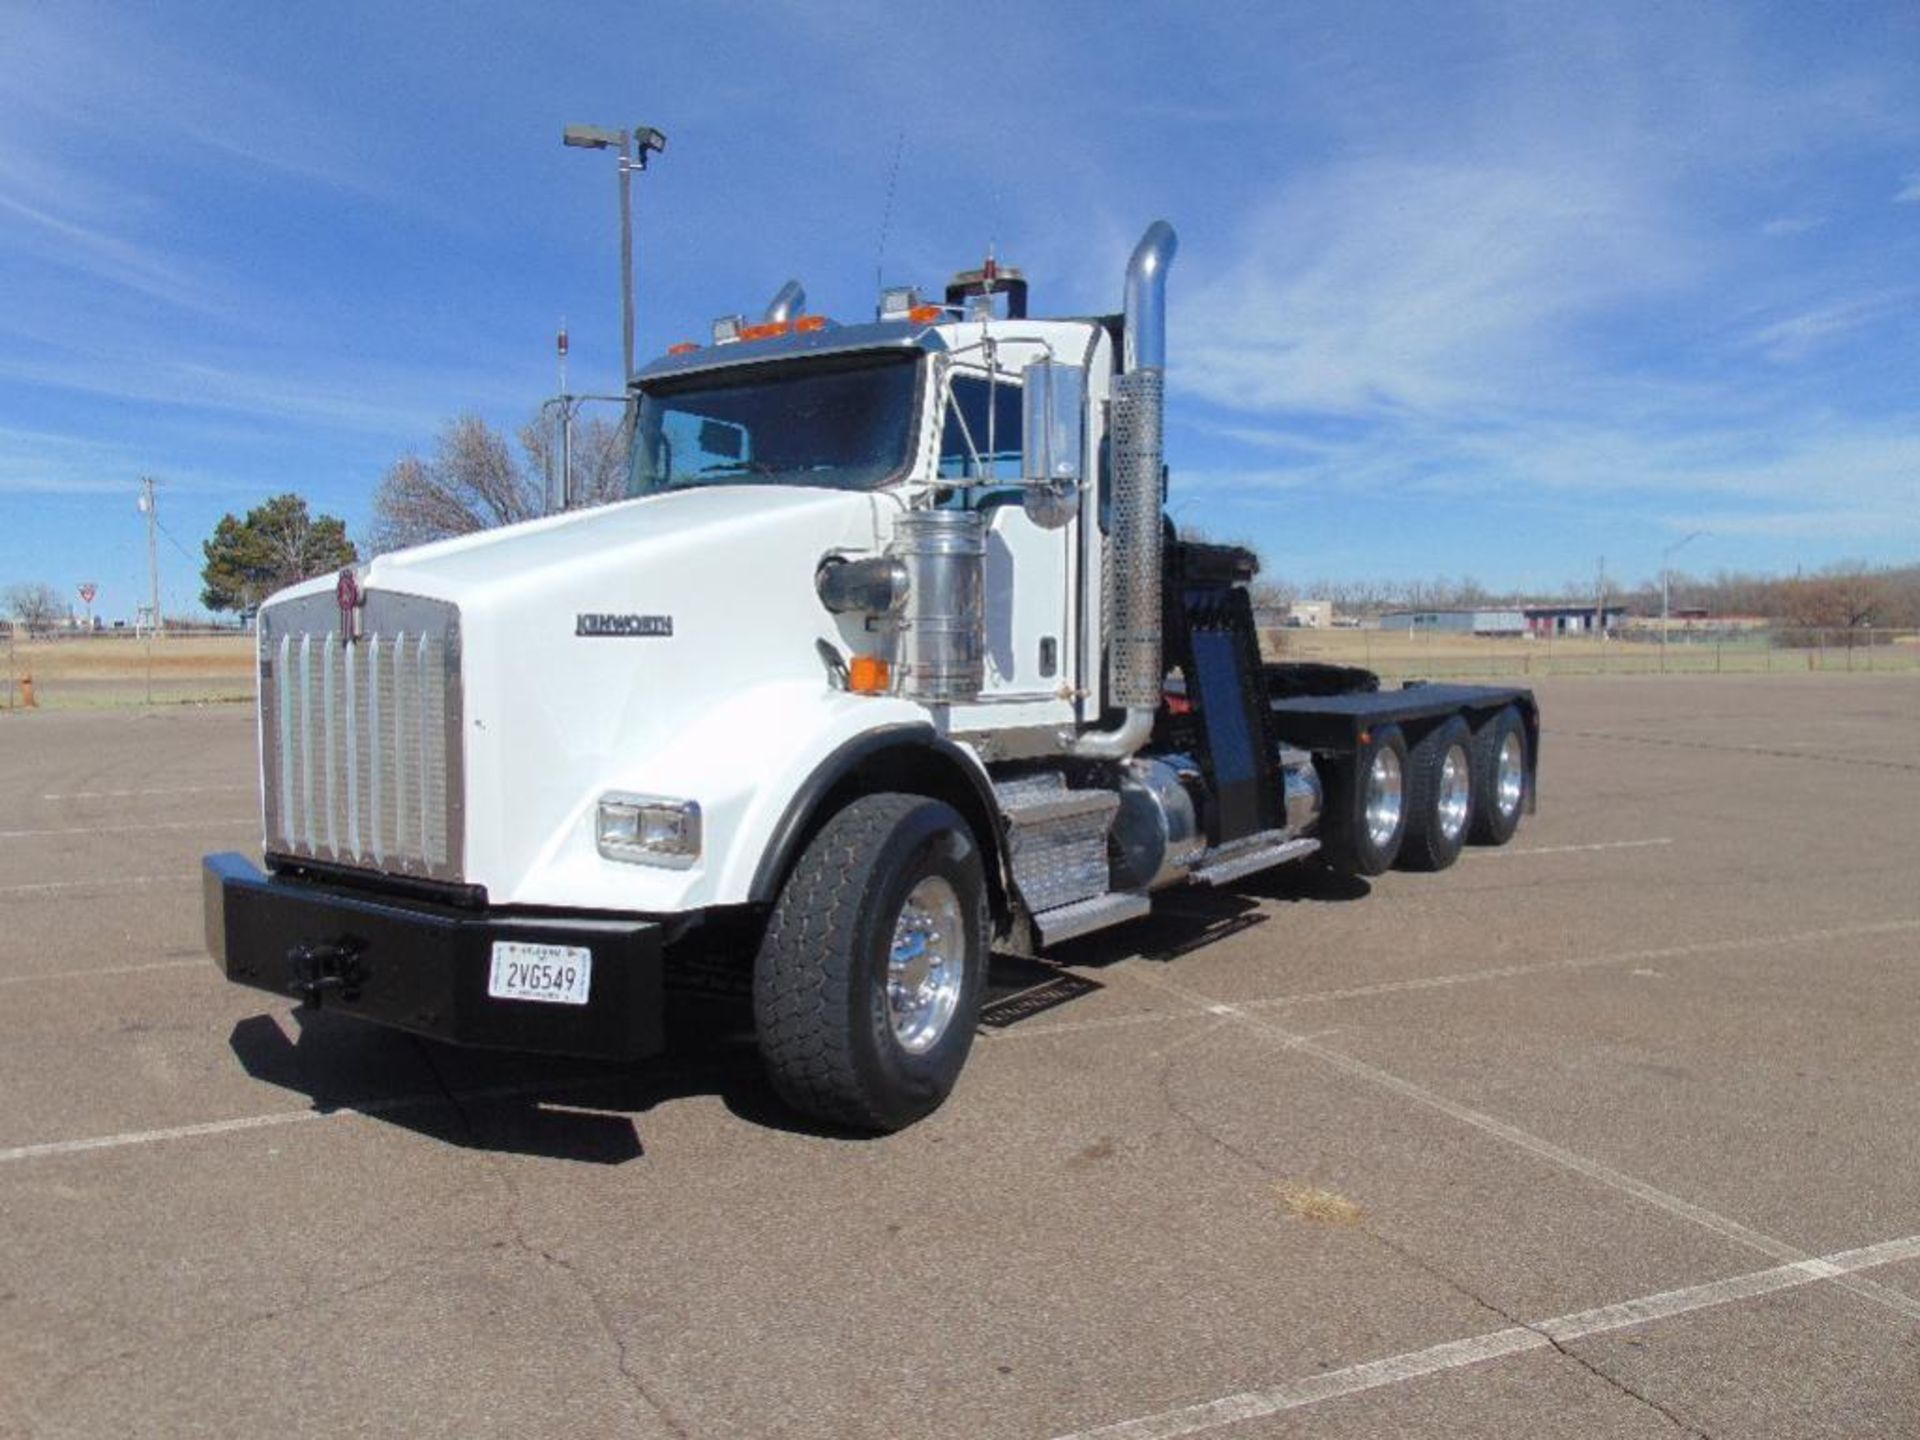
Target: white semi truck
pixel 890 659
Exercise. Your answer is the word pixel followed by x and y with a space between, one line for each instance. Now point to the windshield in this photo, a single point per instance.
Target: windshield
pixel 843 422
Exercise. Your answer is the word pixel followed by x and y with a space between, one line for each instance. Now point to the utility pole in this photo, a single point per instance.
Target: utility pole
pixel 149 509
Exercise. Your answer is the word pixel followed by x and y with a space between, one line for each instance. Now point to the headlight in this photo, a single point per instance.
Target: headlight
pixel 648 830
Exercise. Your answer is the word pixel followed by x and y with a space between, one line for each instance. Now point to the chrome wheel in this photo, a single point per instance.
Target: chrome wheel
pixel 1386 797
pixel 926 965
pixel 1510 774
pixel 1456 792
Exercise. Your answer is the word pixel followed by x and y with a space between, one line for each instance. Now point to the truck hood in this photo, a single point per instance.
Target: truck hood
pixel 585 639
pixel 711 518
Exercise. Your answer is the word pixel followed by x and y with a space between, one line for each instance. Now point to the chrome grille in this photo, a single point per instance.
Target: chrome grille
pixel 361 741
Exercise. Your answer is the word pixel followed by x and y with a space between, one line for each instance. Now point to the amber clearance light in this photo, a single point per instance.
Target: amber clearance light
pixel 869 675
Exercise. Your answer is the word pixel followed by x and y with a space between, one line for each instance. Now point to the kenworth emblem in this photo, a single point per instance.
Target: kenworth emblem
pixel 618 626
pixel 346 590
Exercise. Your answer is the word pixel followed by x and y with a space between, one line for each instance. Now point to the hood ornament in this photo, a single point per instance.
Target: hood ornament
pixel 347 591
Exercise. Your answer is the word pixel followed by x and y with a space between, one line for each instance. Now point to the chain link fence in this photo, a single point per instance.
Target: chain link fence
pixel 1431 654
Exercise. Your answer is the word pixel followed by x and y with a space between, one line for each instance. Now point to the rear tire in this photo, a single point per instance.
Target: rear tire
pixel 1500 777
pixel 866 990
pixel 1439 797
pixel 1366 818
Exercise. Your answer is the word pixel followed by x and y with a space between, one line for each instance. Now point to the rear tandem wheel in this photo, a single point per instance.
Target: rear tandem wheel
pixel 1366 814
pixel 1499 777
pixel 1439 796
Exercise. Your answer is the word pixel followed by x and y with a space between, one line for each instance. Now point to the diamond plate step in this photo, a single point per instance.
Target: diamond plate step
pixel 1083 917
pixel 1230 867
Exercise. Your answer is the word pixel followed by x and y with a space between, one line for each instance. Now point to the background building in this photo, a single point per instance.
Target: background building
pixel 1488 621
pixel 1571 619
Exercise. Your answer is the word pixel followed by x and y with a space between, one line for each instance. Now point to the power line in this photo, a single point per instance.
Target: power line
pixel 175 543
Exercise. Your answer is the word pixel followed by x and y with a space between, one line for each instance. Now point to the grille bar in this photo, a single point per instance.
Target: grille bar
pixel 364 761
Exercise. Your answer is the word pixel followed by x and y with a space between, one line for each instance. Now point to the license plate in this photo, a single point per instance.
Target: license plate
pixel 556 974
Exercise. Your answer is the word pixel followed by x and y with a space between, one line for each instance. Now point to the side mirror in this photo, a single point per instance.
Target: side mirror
pixel 1052 438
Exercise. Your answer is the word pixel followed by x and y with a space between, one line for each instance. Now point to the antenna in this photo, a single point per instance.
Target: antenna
pixel 886 215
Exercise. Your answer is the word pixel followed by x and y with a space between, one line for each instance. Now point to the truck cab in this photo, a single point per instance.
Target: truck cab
pixel 889 658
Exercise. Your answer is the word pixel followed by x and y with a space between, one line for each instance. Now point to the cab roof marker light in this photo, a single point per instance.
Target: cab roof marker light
pixel 685 347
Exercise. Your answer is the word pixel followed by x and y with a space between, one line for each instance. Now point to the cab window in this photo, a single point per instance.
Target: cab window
pixel 980 439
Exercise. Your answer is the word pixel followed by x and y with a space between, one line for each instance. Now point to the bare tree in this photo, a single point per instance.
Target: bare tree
pixel 474 481
pixel 1274 593
pixel 599 455
pixel 37 606
pixel 1845 597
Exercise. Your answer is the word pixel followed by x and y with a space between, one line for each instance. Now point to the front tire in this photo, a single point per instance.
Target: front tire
pixel 867 987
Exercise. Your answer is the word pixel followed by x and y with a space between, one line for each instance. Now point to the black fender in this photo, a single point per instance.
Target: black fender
pixel 915 759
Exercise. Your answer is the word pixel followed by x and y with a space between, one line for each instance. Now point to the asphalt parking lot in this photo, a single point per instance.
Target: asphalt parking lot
pixel 1607 1133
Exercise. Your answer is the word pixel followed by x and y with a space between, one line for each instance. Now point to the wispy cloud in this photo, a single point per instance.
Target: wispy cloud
pixel 1382 286
pixel 405 404
pixel 1798 336
pixel 49 462
pixel 1782 225
pixel 1910 193
pixel 112 258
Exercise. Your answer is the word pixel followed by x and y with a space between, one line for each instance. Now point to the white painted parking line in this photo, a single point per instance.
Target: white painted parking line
pixel 1545 1149
pixel 132 794
pixel 200 824
pixel 1587 962
pixel 51 1148
pixel 1496 1344
pixel 1522 851
pixel 104 882
pixel 105 970
pixel 1479 977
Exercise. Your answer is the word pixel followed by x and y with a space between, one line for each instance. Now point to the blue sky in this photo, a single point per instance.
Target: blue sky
pixel 1491 290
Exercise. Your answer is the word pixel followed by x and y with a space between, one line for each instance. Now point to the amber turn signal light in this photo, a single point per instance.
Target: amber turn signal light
pixel 869 675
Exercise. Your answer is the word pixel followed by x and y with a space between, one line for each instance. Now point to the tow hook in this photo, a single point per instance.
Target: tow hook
pixel 326 966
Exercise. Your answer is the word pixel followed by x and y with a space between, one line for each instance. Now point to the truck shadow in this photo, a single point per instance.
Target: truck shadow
pixel 544 1107
pixel 1184 921
pixel 590 1113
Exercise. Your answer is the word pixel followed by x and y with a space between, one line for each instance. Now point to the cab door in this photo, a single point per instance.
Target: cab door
pixel 1028 569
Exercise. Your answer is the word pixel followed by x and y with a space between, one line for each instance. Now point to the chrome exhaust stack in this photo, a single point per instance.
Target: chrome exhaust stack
pixel 1136 672
pixel 788 303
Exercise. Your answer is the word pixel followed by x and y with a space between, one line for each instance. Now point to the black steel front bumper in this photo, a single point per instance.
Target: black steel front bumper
pixel 423 967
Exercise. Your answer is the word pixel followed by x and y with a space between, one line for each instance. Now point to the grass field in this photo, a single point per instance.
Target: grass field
pixel 90 672
pixel 103 672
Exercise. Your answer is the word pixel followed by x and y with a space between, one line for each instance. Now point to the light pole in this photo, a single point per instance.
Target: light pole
pixel 649 141
pixel 1666 578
